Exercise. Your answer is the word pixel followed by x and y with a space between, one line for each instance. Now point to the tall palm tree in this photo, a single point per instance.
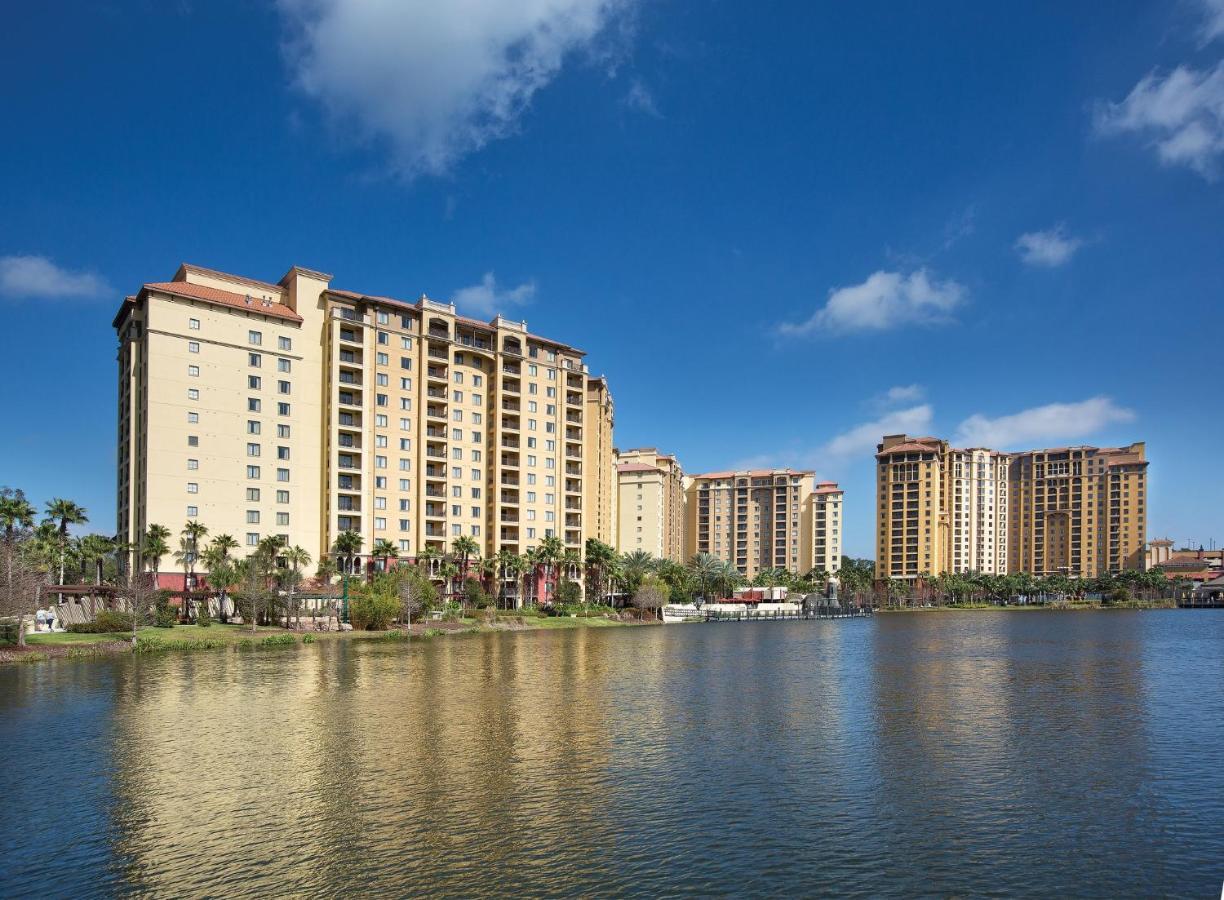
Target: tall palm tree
pixel 16 513
pixel 94 548
pixel 598 556
pixel 154 547
pixel 194 532
pixel 449 572
pixel 295 558
pixel 64 513
pixel 549 555
pixel 221 572
pixel 705 568
pixel 347 546
pixel 635 567
pixel 465 548
pixel 385 550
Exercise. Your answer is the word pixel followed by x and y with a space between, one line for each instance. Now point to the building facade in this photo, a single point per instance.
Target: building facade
pixel 825 508
pixel 1079 511
pixel 600 484
pixel 650 500
pixel 300 410
pixel 764 519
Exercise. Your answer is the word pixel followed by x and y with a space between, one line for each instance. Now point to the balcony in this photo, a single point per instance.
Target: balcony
pixel 510 443
pixel 510 461
pixel 433 530
pixel 432 431
pixel 435 454
pixel 573 416
pixel 573 399
pixel 573 486
pixel 434 411
pixel 574 435
pixel 511 386
pixel 510 423
pixel 349 378
pixel 508 518
pixel 439 353
pixel 435 492
pixel 436 393
pixel 511 406
pixel 436 373
pixel 435 472
pixel 510 479
pixel 435 510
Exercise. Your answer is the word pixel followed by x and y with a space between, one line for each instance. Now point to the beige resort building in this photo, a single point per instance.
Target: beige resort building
pixel 300 410
pixel 765 519
pixel 1071 510
pixel 650 499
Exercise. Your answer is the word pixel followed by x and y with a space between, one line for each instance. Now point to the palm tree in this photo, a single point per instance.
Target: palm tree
pixel 705 569
pixel 94 548
pixel 548 556
pixel 154 547
pixel 16 513
pixel 194 532
pixel 385 550
pixel 295 558
pixel 464 547
pixel 221 573
pixel 64 513
pixel 636 566
pixel 448 572
pixel 347 546
pixel 598 556
pixel 185 557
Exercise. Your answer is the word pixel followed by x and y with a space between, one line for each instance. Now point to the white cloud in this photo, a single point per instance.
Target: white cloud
pixel 1050 248
pixel 885 300
pixel 902 393
pixel 641 99
pixel 485 299
pixel 1181 114
pixel 862 439
pixel 437 80
pixel 1041 424
pixel 1213 20
pixel 36 277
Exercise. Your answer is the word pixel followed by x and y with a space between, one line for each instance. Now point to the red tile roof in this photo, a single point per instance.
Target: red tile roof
pixel 222 298
pixel 636 467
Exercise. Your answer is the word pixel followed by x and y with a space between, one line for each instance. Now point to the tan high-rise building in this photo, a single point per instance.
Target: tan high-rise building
pixel 300 410
pixel 763 519
pixel 824 506
pixel 946 510
pixel 599 481
pixel 650 503
pixel 1078 511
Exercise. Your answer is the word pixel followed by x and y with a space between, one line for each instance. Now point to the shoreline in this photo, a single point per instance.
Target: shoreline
pixel 1036 607
pixel 42 646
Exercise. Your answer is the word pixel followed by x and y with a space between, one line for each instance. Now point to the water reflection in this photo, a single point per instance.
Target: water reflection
pixel 939 753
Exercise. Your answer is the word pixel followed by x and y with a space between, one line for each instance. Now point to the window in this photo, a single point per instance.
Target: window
pixel 383 339
pixel 283 387
pixel 405 384
pixel 282 518
pixel 252 517
pixel 254 382
pixel 282 452
pixel 193 393
pixel 282 474
pixel 253 472
pixel 193 346
pixel 253 495
pixel 282 409
pixel 382 380
pixel 252 426
pixel 254 404
pixel 192 512
pixel 381 359
pixel 284 343
pixel 405 362
pixel 383 318
pixel 193 487
pixel 252 539
pixel 193 324
pixel 282 431
pixel 193 464
pixel 282 496
pixel 380 524
pixel 193 418
pixel 254 359
pixel 254 338
pixel 252 449
pixel 193 371
pixel 282 365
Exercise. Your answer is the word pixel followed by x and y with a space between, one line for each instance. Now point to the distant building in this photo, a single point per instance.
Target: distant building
pixel 650 503
pixel 1078 511
pixel 764 519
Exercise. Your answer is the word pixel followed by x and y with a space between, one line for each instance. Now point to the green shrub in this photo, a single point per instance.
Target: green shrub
pixel 308 639
pixel 204 617
pixel 568 593
pixel 106 622
pixel 278 640
pixel 149 644
pixel 165 617
pixel 433 632
pixel 395 635
pixel 373 610
pixel 246 644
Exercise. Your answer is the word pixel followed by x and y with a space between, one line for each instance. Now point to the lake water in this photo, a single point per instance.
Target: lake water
pixel 952 753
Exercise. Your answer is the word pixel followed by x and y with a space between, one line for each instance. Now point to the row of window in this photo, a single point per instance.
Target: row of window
pixel 255 338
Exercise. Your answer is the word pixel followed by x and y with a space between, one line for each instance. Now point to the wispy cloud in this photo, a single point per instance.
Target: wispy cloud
pixel 900 394
pixel 640 98
pixel 1042 424
pixel 885 300
pixel 861 440
pixel 37 278
pixel 1181 114
pixel 486 299
pixel 1050 248
pixel 435 81
pixel 1213 20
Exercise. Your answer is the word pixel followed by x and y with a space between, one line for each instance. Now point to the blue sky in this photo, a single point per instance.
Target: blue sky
pixel 779 229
